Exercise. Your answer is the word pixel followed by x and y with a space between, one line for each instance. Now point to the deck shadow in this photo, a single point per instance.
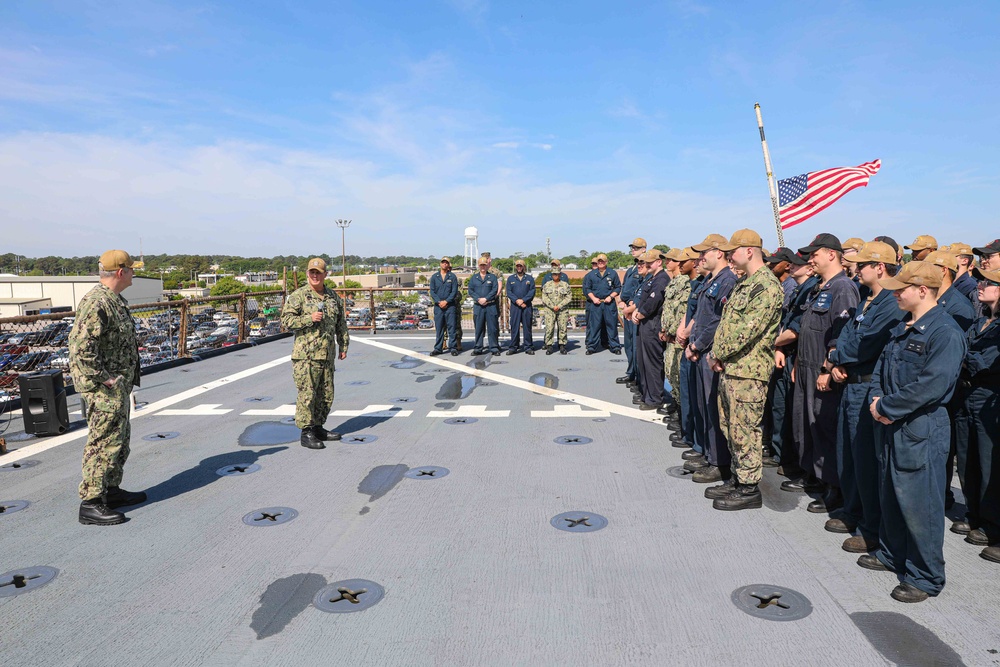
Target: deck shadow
pixel 283 600
pixel 202 474
pixel 903 641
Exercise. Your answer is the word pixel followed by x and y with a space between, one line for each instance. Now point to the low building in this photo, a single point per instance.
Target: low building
pixel 21 307
pixel 62 291
pixel 370 280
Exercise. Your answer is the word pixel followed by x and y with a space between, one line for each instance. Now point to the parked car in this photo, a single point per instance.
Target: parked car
pixel 60 359
pixel 580 321
pixel 425 324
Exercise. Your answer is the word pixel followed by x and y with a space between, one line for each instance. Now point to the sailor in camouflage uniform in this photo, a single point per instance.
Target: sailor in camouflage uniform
pixel 104 364
pixel 316 314
pixel 556 297
pixel 743 351
pixel 675 298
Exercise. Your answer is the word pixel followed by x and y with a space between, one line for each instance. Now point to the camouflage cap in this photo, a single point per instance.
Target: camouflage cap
pixel 711 242
pixel 743 238
pixel 113 260
pixel 915 273
pixel 487 255
pixel 853 243
pixel 942 258
pixel 873 251
pixel 923 242
pixel 316 263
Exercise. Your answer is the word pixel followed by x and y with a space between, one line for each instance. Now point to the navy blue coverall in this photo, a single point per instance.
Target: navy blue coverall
pixel 602 320
pixel 815 412
pixel 978 426
pixel 781 391
pixel 650 347
pixel 914 378
pixel 485 316
pixel 522 288
pixel 711 299
pixel 857 349
pixel 692 420
pixel 961 309
pixel 629 286
pixel 444 289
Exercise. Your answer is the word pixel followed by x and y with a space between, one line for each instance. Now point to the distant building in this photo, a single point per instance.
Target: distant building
pixel 370 280
pixel 62 291
pixel 212 278
pixel 26 306
pixel 259 278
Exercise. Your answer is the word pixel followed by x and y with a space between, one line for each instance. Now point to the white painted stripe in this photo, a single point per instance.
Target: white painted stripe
pixel 50 443
pixel 595 403
pixel 469 411
pixel 286 410
pixel 203 409
pixel 569 411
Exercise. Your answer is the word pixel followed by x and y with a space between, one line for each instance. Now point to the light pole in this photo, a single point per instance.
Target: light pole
pixel 343 224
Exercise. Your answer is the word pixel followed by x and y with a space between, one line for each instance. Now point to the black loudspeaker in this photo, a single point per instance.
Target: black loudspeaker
pixel 43 402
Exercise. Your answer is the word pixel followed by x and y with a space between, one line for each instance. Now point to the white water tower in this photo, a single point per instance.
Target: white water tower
pixel 471 247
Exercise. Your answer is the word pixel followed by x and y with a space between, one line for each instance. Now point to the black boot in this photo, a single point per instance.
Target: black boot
pixel 322 434
pixel 743 497
pixel 310 440
pixel 119 497
pixel 95 512
pixel 551 350
pixel 691 465
pixel 563 350
pixel 721 490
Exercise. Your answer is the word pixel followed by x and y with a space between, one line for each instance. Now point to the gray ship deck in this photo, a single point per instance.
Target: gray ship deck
pixel 473 572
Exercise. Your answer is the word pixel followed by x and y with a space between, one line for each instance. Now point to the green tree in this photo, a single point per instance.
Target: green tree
pixel 504 264
pixel 227 286
pixel 662 248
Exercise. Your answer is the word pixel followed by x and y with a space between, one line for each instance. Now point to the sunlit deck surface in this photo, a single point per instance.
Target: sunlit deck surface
pixel 473 571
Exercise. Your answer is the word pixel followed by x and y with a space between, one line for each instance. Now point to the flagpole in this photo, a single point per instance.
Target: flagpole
pixel 770 177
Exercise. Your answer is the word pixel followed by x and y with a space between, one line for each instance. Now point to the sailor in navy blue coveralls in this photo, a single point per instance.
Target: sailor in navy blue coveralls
pixel 604 285
pixel 483 288
pixel 444 290
pixel 912 382
pixel 520 288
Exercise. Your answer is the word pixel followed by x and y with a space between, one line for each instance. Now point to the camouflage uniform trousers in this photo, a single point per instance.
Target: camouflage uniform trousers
pixel 109 431
pixel 672 369
pixel 314 380
pixel 555 321
pixel 741 416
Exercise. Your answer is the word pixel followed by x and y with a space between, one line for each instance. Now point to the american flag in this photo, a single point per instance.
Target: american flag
pixel 802 197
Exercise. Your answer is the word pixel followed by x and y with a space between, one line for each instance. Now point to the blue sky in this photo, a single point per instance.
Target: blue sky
pixel 248 127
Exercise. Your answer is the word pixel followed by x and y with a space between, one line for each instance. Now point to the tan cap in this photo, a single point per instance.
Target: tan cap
pixel 980 274
pixel 942 258
pixel 853 243
pixel 923 242
pixel 914 273
pixel 555 262
pixel 483 261
pixel 960 249
pixel 712 241
pixel 113 260
pixel 652 255
pixel 446 259
pixel 674 254
pixel 638 242
pixel 743 238
pixel 600 257
pixel 873 251
pixel 519 262
pixel 316 263
pixel 689 253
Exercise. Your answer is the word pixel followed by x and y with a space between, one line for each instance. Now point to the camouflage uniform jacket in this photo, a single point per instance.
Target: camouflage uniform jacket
pixel 315 340
pixel 744 341
pixel 675 298
pixel 500 281
pixel 556 294
pixel 103 344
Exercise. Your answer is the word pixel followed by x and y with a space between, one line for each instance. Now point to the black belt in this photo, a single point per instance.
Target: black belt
pixel 859 379
pixel 983 383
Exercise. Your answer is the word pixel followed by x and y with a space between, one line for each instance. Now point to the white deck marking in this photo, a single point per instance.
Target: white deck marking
pixel 203 409
pixel 50 443
pixel 469 411
pixel 569 411
pixel 595 403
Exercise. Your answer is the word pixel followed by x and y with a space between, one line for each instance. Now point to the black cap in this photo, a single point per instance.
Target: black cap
pixel 822 241
pixel 990 248
pixel 889 240
pixel 786 255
